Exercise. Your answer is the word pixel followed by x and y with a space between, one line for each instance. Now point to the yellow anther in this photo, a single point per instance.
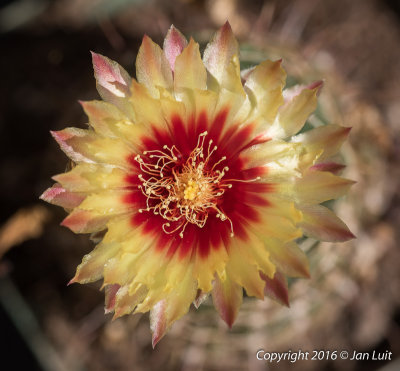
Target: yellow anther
pixel 191 190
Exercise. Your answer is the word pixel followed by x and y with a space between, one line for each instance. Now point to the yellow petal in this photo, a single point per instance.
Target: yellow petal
pixel 288 258
pixel 91 178
pixel 205 268
pixel 199 105
pixel 221 58
pixel 278 220
pixel 281 161
pixel 86 146
pixel 92 266
pixel 125 302
pixel 110 202
pixel 152 269
pixel 292 116
pixel 321 223
pixel 108 120
pixel 319 186
pixel 102 115
pixel 123 267
pixel 148 110
pixel 152 68
pixel 189 69
pixel 266 82
pixel 243 270
pixel 174 306
pixel 329 138
pixel 84 221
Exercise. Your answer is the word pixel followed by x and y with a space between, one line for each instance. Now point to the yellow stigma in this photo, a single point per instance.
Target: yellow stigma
pixel 191 190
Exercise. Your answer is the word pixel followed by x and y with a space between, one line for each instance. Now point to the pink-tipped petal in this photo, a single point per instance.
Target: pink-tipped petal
pixel 125 302
pixel 321 223
pixel 158 322
pixel 244 74
pixel 201 297
pixel 152 67
pixel 111 78
pixel 220 50
pixel 276 288
pixel 266 82
pixel 92 266
pixel 332 167
pixel 294 113
pixel 63 137
pixel 174 44
pixel 100 115
pixel 227 298
pixel 110 297
pixel 316 85
pixel 289 259
pixel 57 195
pixel 113 83
pixel 328 137
pixel 320 186
pixel 72 180
pixel 86 146
pixel 221 58
pixel 84 221
pixel 293 91
pixel 168 310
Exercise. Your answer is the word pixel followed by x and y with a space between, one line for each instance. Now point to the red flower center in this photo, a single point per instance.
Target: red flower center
pixel 184 191
pixel 193 178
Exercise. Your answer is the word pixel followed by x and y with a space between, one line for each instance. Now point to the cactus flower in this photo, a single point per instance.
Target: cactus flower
pixel 199 180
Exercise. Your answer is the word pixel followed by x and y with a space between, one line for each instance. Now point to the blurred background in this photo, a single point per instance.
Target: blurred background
pixel 352 300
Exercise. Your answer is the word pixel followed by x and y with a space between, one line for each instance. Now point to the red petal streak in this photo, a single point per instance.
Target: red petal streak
pixel 276 288
pixel 202 122
pixel 259 139
pixel 180 136
pixel 134 198
pixel 218 123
